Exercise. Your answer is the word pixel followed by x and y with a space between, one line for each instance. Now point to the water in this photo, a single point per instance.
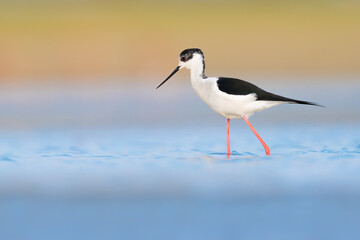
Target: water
pixel 169 178
pixel 86 183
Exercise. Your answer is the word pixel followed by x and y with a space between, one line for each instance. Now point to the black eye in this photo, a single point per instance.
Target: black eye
pixel 183 59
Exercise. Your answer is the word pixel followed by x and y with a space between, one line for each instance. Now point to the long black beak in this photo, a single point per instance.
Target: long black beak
pixel 176 69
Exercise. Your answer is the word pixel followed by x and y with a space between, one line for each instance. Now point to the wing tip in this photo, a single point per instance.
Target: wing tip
pixel 307 103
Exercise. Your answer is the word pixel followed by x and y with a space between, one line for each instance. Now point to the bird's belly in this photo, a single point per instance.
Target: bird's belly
pixel 230 106
pixel 235 106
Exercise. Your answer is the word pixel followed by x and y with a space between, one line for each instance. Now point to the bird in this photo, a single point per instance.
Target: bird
pixel 232 98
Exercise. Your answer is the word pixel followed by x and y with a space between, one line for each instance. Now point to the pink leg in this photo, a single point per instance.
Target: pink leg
pixel 228 137
pixel 267 149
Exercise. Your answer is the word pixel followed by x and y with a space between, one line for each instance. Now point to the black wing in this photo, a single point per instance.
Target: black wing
pixel 235 86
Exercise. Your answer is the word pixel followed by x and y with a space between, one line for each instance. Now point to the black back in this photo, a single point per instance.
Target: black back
pixel 235 86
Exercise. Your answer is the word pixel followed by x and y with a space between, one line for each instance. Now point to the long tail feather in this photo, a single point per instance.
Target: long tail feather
pixel 304 102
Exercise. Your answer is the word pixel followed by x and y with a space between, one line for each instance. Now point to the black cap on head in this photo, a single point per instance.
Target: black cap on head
pixel 187 54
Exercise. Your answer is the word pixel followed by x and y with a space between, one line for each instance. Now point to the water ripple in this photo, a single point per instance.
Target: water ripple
pixel 6 158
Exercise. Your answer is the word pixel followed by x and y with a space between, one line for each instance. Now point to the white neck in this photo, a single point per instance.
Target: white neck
pixel 197 68
pixel 197 71
pixel 198 79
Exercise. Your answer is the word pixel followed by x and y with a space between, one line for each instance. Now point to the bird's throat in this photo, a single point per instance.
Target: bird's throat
pixel 197 71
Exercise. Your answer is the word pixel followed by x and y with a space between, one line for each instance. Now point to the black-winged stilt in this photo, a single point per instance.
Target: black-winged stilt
pixel 230 97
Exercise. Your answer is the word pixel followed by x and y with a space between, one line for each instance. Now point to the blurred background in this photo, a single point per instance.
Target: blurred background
pixel 82 40
pixel 90 150
pixel 61 57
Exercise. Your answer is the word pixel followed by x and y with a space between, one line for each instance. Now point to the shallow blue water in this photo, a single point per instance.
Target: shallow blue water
pixel 178 183
pixel 106 164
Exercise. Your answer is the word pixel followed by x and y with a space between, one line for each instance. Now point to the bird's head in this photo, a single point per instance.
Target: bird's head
pixel 189 58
